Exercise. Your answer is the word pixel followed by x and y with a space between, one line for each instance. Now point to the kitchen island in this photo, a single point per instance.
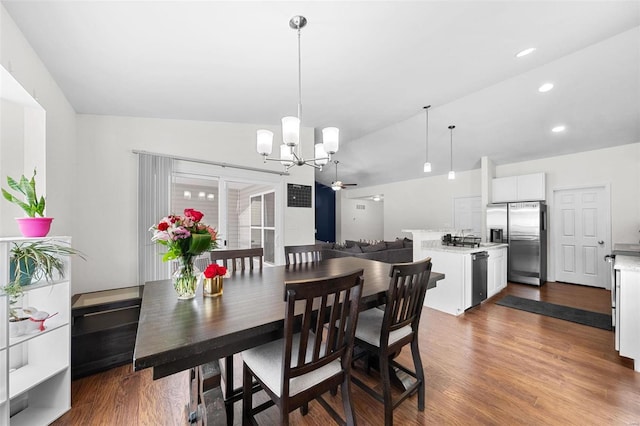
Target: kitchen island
pixel 454 295
pixel 628 307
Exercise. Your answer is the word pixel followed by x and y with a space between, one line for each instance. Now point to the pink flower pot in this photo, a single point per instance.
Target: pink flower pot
pixel 34 226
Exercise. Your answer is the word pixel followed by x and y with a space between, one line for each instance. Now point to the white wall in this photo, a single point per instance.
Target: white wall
pixel 428 203
pixel 618 166
pixel 425 203
pixel 108 188
pixel 360 223
pixel 18 57
pixel 91 176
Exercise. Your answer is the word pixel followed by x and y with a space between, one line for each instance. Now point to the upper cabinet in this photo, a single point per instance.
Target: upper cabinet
pixel 518 188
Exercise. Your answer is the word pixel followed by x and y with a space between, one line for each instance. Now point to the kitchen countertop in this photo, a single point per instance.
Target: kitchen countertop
pixel 627 263
pixel 436 245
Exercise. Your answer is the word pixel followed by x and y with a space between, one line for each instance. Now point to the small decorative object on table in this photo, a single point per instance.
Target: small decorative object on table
pixel 186 238
pixel 30 226
pixel 213 280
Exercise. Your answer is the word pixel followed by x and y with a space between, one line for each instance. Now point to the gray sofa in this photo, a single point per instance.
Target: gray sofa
pixel 398 251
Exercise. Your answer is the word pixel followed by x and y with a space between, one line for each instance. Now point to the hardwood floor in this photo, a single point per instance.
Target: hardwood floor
pixel 492 365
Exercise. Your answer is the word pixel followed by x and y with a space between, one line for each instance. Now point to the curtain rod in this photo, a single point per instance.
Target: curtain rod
pixel 213 163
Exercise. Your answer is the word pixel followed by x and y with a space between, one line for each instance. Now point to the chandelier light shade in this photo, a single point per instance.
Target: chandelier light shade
pixel 290 150
pixel 286 156
pixel 427 164
pixel 321 157
pixel 452 174
pixel 330 139
pixel 291 131
pixel 264 141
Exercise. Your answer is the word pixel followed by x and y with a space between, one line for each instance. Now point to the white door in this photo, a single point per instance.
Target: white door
pixel 582 237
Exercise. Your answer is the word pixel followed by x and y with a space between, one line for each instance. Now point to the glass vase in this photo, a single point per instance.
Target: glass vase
pixel 186 279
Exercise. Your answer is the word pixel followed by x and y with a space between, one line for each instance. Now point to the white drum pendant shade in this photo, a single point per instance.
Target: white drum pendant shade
pixel 291 131
pixel 330 138
pixel 264 141
pixel 321 157
pixel 286 156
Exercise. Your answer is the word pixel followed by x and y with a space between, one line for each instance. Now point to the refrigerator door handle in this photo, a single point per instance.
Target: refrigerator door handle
pixel 543 221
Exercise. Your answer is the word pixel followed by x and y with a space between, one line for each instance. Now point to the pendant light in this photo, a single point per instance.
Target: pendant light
pixel 452 174
pixel 427 164
pixel 290 150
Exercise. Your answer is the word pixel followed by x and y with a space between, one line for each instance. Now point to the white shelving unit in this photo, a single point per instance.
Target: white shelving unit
pixel 35 373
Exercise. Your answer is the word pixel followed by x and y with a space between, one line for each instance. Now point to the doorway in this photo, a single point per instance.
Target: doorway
pixel 467 215
pixel 582 235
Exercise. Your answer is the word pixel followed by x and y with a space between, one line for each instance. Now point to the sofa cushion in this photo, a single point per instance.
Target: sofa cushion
pixel 397 244
pixel 353 249
pixel 350 243
pixel 407 243
pixel 374 247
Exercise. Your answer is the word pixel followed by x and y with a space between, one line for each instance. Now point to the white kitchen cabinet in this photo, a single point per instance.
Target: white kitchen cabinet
pixel 35 387
pixel 504 189
pixel 452 294
pixel 628 308
pixel 496 271
pixel 529 187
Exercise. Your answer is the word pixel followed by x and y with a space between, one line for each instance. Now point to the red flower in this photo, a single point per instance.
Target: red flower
pixel 214 270
pixel 194 214
pixel 163 226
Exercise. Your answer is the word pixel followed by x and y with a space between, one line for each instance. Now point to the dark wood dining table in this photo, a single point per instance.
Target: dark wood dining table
pixel 176 335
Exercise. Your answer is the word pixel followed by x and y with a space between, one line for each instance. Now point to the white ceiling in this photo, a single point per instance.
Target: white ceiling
pixel 367 68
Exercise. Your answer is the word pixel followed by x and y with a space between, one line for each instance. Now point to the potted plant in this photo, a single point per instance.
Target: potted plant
pixel 37 260
pixel 35 224
pixel 17 317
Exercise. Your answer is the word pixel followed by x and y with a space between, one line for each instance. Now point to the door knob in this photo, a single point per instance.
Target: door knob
pixel 601 242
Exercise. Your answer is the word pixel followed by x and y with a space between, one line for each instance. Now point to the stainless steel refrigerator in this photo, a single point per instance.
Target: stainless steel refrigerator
pixel 524 227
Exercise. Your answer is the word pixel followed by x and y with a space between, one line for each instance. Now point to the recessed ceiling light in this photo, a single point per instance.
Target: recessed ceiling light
pixel 545 87
pixel 525 52
pixel 558 129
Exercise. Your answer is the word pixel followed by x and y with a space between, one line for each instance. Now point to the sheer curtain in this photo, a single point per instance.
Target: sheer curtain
pixel 154 196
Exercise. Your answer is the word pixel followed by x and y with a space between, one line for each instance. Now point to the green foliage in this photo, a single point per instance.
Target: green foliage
pixel 31 205
pixel 46 256
pixel 42 259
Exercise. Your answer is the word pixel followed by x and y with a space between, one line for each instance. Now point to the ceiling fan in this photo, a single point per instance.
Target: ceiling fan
pixel 337 185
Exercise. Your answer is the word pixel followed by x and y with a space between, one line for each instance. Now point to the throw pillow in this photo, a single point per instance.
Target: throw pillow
pixel 353 249
pixel 350 243
pixel 397 244
pixel 374 247
pixel 408 243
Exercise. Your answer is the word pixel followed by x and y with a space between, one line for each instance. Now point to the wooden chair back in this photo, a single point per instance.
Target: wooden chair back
pixel 239 259
pixel 296 255
pixel 405 298
pixel 312 304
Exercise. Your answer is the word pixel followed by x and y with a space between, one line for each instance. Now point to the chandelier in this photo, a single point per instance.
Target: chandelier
pixel 290 150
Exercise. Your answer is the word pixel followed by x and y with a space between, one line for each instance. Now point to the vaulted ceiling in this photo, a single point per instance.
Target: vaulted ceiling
pixel 367 68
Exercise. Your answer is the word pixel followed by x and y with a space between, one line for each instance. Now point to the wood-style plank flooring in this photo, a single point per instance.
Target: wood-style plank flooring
pixel 492 365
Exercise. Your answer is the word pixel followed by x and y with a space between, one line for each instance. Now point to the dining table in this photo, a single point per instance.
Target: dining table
pixel 176 335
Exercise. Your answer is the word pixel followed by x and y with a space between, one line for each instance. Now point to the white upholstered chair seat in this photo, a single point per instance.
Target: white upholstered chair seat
pixel 266 363
pixel 370 325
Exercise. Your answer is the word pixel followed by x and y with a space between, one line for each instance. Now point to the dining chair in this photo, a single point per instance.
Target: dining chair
pixel 296 255
pixel 237 260
pixel 383 333
pixel 310 359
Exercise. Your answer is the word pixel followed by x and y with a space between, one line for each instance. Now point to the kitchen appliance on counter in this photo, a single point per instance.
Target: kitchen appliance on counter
pixel 460 241
pixel 524 227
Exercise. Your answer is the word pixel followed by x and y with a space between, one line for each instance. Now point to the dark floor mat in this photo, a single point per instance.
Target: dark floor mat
pixel 593 319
